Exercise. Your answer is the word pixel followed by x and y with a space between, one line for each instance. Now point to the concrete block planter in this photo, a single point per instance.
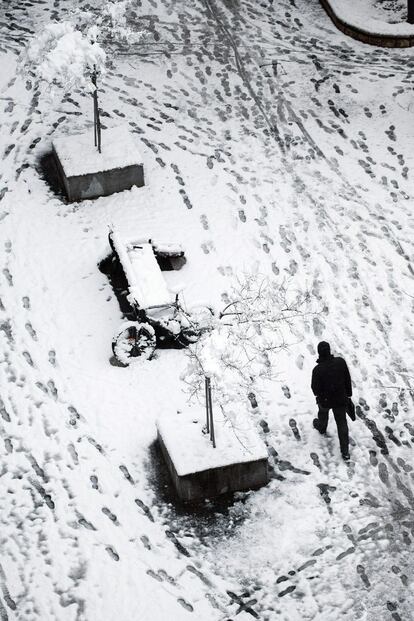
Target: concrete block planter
pixel 238 463
pixel 87 174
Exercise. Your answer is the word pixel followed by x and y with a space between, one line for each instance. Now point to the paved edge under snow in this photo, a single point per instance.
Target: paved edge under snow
pixel 368 30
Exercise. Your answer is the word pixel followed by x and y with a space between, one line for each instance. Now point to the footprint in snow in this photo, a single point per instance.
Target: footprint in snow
pixel 185 604
pixel 126 474
pixel 112 553
pixel 186 199
pixel 8 276
pixel 95 444
pixel 286 392
pixel 3 412
pixel 383 473
pixel 144 508
pixel 73 453
pixel 294 428
pixel 361 571
pixel 207 247
pixel 346 552
pixel 52 357
pixel 288 590
pixel 52 388
pixel 31 330
pixel 199 574
pixel 26 301
pixel 163 574
pixel 293 267
pixel 42 387
pixel 315 459
pixel 85 523
pixel 348 531
pixel 318 327
pixel 28 358
pixel 146 542
pixel 324 490
pixel 406 467
pixel 410 428
pixel 373 458
pixel 253 400
pixel 94 481
pixel 152 574
pixel 299 361
pixel 110 515
pixel 263 424
pixel 391 436
pixel 177 544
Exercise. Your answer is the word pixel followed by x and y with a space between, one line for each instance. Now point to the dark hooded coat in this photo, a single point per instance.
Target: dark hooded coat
pixel 331 381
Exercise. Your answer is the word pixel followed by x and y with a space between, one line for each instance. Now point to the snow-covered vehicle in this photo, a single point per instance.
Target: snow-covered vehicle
pixel 153 315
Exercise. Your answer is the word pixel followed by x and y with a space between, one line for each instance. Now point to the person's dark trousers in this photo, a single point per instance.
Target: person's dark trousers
pixel 341 424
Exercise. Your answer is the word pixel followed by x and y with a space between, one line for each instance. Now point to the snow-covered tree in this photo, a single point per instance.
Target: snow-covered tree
pixel 264 317
pixel 72 54
pixel 62 56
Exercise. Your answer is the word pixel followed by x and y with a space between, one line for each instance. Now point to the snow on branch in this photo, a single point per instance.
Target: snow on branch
pixel 116 20
pixel 263 318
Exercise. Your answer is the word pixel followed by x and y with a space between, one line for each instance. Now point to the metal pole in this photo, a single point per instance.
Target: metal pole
pixel 410 11
pixel 94 103
pixel 98 124
pixel 212 435
pixel 97 119
pixel 206 381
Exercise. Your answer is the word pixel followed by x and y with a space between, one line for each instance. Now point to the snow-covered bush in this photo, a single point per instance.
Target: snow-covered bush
pixel 240 352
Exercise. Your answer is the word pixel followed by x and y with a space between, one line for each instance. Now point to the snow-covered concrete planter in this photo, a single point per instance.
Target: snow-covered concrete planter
pixel 198 470
pixel 367 21
pixel 86 173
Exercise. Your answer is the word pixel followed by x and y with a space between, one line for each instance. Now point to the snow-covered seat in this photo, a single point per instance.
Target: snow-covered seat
pixel 147 287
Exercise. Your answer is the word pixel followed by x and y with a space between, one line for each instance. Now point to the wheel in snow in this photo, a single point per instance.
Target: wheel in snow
pixel 133 340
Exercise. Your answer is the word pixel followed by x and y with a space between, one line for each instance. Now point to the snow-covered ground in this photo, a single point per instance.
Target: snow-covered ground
pixel 271 144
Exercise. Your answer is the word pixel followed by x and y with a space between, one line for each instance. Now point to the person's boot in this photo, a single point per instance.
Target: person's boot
pixel 346 456
pixel 317 425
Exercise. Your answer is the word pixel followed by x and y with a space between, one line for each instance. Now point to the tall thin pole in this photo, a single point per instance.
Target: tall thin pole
pixel 96 117
pixel 94 103
pixel 212 434
pixel 206 381
pixel 410 11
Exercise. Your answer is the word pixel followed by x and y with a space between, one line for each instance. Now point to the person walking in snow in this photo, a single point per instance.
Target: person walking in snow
pixel 331 384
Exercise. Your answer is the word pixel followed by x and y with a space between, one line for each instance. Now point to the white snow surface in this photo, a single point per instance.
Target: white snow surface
pixel 147 286
pixel 275 145
pixel 79 155
pixel 374 16
pixel 191 450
